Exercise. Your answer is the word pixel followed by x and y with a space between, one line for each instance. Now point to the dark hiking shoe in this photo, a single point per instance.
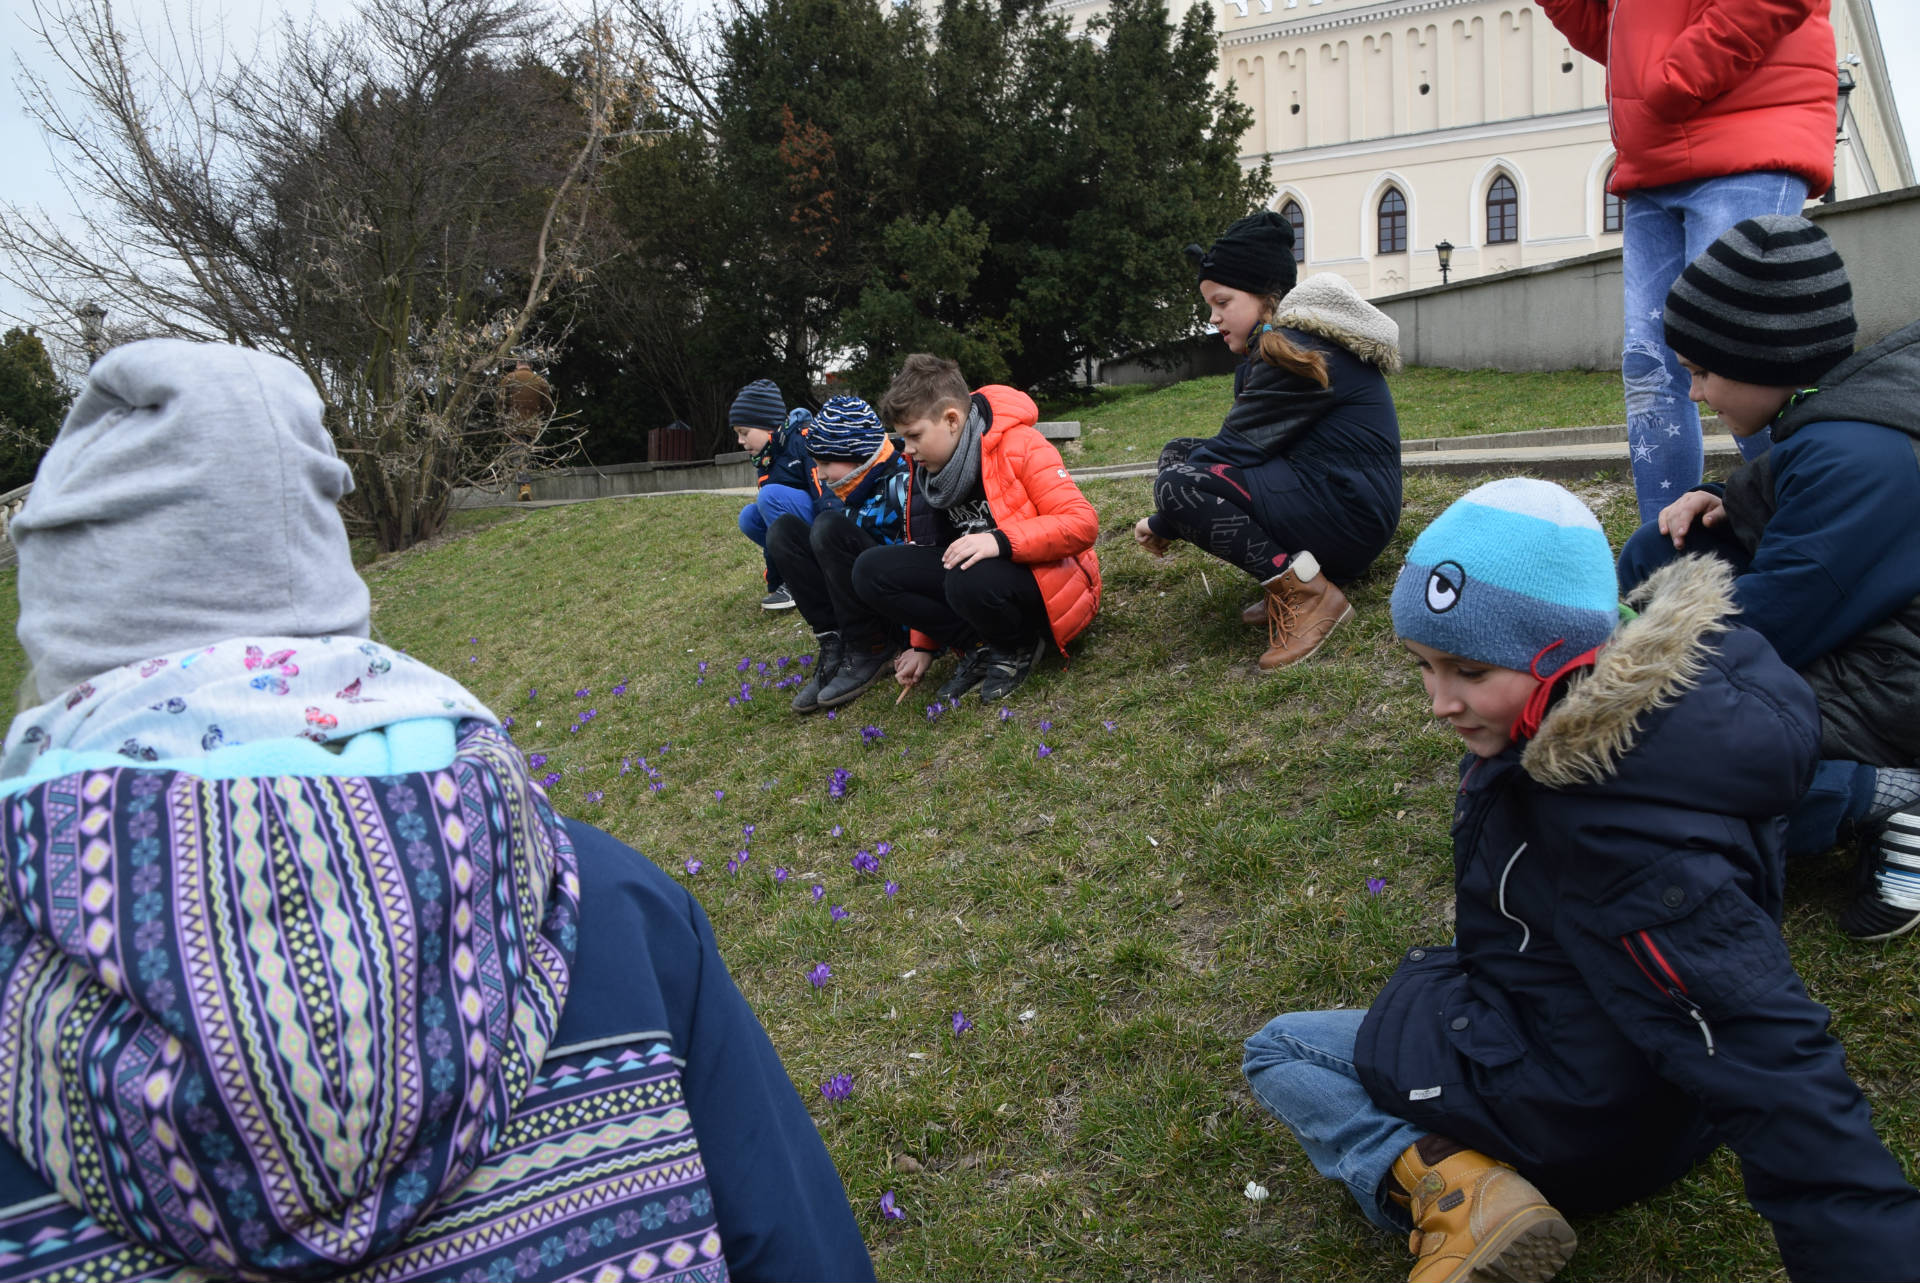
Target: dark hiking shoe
pixel 966 675
pixel 1888 901
pixel 825 665
pixel 1006 669
pixel 858 670
pixel 778 599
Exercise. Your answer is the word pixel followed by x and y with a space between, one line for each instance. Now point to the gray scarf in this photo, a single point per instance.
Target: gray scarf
pixel 953 483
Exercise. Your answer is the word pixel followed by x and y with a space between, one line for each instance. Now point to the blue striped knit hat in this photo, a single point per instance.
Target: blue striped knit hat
pixel 1505 573
pixel 845 428
pixel 758 405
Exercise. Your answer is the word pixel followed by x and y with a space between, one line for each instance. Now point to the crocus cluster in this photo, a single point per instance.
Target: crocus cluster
pixel 871 734
pixel 865 862
pixel 960 1022
pixel 838 781
pixel 819 975
pixel 837 1088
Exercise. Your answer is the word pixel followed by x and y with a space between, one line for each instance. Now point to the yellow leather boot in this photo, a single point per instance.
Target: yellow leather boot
pixel 1476 1219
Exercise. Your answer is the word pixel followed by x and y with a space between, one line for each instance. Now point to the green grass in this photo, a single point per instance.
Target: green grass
pixel 1114 918
pixel 1130 424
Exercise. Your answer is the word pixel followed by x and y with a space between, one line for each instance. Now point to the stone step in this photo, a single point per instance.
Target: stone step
pixel 1594 435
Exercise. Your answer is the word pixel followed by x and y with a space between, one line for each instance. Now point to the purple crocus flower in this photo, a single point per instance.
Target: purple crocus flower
pixel 834 832
pixel 1109 725
pixel 533 692
pixel 473 641
pixel 733 867
pixel 656 786
pixel 626 766
pixel 719 794
pixel 892 888
pixel 743 665
pixel 536 760
pixel 1045 727
pixel 1006 714
pixel 506 723
pixel 837 1088
pixel 888 1210
pixel 838 914
pixel 868 734
pixel 747 829
pixel 819 893
pixel 743 855
pixel 473 659
pixel 1044 751
pixel 703 665
pixel 883 849
pixel 832 713
pixel 621 689
pixel 574 729
pixel 838 781
pixel 583 692
pixel 779 874
pixel 1376 885
pixel 596 796
pixel 820 974
pixel 550 779
pixel 693 866
pixel 865 862
pixel 960 1022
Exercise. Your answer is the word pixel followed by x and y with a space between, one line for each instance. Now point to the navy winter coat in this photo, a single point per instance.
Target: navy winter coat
pixel 647 966
pixel 1323 464
pixel 1619 1000
pixel 877 503
pixel 784 460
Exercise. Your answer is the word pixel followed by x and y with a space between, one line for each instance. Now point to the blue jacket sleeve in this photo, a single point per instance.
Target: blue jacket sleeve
pixel 1695 973
pixel 1837 554
pixel 648 957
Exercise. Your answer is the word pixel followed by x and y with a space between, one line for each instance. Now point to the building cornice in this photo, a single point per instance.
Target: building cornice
pixel 1430 137
pixel 1289 27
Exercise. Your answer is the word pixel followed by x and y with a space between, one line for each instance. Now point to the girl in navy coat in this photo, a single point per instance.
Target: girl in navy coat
pixel 1617 1000
pixel 1301 488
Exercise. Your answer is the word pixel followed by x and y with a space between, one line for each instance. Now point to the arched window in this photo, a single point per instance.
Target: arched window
pixel 1503 212
pixel 1292 213
pixel 1393 222
pixel 1613 210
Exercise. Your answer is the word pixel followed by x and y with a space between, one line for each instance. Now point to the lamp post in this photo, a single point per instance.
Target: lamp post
pixel 1845 86
pixel 92 333
pixel 1445 251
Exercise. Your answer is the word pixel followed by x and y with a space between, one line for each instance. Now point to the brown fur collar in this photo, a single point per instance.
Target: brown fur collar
pixel 1648 663
pixel 1326 305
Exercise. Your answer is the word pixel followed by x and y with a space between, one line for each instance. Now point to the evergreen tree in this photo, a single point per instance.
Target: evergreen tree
pixel 33 402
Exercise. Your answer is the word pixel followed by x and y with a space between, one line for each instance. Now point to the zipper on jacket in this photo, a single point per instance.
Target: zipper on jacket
pixel 1676 991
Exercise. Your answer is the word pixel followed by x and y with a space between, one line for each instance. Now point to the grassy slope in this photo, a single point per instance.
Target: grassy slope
pixel 1151 893
pixel 1128 424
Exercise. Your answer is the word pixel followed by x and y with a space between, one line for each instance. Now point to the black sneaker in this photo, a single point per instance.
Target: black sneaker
pixel 825 665
pixel 778 599
pixel 858 670
pixel 1888 902
pixel 1006 669
pixel 966 675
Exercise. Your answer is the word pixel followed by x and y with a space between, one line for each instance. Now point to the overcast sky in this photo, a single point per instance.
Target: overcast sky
pixel 29 179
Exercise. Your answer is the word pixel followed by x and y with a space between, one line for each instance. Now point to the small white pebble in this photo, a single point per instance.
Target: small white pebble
pixel 908 975
pixel 1028 1014
pixel 916 1055
pixel 1152 840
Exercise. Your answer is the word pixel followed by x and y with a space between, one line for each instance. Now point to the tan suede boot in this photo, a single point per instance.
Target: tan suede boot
pixel 1475 1219
pixel 1303 606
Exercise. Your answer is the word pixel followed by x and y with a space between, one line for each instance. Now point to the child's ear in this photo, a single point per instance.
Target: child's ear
pixel 956 417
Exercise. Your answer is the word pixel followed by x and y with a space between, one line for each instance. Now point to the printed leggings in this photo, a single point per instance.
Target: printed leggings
pixel 1209 505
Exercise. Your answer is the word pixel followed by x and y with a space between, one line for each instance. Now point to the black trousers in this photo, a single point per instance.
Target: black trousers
pixel 815 560
pixel 1210 505
pixel 995 601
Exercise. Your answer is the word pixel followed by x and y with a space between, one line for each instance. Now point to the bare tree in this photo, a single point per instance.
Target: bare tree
pixel 389 204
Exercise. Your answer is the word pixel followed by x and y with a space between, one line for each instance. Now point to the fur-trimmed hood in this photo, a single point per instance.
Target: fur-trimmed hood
pixel 1673 705
pixel 1326 305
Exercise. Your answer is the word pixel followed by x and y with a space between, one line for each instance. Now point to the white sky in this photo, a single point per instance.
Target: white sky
pixel 29 179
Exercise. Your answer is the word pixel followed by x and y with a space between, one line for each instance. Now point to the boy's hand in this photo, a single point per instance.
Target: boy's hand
pixel 910 666
pixel 1678 517
pixel 967 549
pixel 1154 545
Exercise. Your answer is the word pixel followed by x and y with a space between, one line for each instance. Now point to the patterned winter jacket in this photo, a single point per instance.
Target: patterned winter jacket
pixel 404 1025
pixel 874 496
pixel 783 460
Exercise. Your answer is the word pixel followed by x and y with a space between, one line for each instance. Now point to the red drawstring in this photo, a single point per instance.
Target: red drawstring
pixel 1528 723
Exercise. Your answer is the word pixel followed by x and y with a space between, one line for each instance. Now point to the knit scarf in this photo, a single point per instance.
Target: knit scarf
pixel 961 477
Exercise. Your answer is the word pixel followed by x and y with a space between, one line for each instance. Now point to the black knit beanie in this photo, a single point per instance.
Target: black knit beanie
pixel 1767 303
pixel 1255 254
pixel 758 405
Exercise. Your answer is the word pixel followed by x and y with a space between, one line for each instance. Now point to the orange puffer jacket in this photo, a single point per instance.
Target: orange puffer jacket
pixel 1703 88
pixel 1048 523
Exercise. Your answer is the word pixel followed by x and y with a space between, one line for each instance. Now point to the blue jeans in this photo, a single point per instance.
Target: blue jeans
pixel 772 503
pixel 1842 792
pixel 1666 228
pixel 1301 1068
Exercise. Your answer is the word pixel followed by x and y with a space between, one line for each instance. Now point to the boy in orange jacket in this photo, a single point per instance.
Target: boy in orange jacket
pixel 999 556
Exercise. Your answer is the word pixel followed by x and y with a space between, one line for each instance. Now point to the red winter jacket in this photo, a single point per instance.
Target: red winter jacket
pixel 1048 523
pixel 1704 88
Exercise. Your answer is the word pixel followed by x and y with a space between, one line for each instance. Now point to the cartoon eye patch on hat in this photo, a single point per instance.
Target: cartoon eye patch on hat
pixel 1445 583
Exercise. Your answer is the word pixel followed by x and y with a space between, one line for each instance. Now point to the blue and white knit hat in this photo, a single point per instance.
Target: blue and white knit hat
pixel 1507 571
pixel 758 405
pixel 845 428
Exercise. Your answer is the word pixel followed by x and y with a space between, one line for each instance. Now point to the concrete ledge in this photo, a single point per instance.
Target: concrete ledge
pixel 1062 430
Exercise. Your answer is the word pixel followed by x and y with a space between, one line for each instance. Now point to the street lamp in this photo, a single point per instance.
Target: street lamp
pixel 92 333
pixel 1846 86
pixel 1445 250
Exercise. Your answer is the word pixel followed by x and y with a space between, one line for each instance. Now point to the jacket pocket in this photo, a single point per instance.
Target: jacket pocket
pixel 1482 1033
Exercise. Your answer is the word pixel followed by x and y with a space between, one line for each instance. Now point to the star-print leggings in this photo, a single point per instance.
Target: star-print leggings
pixel 1208 504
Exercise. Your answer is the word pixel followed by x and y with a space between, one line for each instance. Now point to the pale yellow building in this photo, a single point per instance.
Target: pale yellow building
pixel 1393 126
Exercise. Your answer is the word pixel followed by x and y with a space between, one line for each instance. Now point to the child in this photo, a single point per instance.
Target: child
pixel 1819 529
pixel 1618 1000
pixel 1301 488
pixel 778 443
pixel 352 1002
pixel 999 555
pixel 860 489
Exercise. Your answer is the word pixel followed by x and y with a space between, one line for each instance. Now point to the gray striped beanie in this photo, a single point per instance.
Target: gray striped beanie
pixel 1767 303
pixel 845 428
pixel 758 405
